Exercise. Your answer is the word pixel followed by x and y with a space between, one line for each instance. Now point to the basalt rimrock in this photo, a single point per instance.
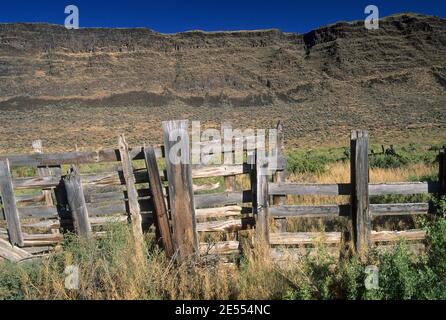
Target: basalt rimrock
pixel 106 66
pixel 328 80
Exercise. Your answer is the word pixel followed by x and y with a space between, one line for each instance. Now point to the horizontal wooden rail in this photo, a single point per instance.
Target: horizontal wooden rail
pixel 32 198
pixel 221 212
pixel 44 224
pixel 112 178
pixel 344 189
pixel 309 211
pixel 391 209
pixel 308 189
pixel 38 212
pixel 220 226
pixel 222 199
pixel 219 171
pixel 391 236
pixel 93 197
pixel 404 188
pixel 107 208
pixel 223 247
pixel 36 183
pixel 301 238
pixel 398 209
pixel 35 240
pixel 78 157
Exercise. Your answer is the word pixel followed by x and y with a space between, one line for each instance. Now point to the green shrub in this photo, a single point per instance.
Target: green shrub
pixel 313 161
pixel 301 163
pixel 387 161
pixel 436 239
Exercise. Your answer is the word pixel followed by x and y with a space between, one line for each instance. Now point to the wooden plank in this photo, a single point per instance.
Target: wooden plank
pixel 94 221
pixel 261 210
pixel 404 188
pixel 221 247
pixel 219 171
pixel 222 199
pixel 93 197
pixel 12 253
pixel 29 199
pixel 301 238
pixel 391 236
pixel 344 189
pixel 77 157
pixel 308 189
pixel 220 226
pixel 107 208
pixel 106 196
pixel 206 187
pixel 161 213
pixel 221 212
pixel 132 193
pixel 39 240
pixel 36 240
pixel 279 177
pixel 113 178
pixel 181 195
pixel 359 200
pixel 38 212
pixel 398 209
pixel 36 183
pixel 76 201
pixel 45 224
pixel 323 211
pixel 442 171
pixel 9 205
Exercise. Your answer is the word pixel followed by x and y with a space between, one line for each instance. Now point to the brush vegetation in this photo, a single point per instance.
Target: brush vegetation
pixel 110 269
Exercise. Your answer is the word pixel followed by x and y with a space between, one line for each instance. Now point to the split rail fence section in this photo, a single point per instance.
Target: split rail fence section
pixel 127 185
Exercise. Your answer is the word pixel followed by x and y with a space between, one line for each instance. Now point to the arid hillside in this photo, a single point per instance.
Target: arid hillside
pixel 86 86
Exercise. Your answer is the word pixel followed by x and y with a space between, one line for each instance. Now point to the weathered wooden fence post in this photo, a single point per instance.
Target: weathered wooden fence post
pixel 261 208
pixel 76 202
pixel 132 193
pixel 181 195
pixel 9 205
pixel 279 177
pixel 442 172
pixel 156 189
pixel 228 155
pixel 359 166
pixel 45 171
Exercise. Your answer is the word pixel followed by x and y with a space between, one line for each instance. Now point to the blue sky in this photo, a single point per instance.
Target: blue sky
pixel 174 15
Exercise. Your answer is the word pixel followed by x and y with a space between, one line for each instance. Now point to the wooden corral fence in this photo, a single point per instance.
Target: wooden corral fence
pixel 360 212
pixel 82 191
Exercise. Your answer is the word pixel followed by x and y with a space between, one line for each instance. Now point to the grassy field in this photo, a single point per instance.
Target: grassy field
pixel 63 128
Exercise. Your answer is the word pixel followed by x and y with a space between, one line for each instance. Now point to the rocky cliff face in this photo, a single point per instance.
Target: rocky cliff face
pixel 41 63
pixel 86 86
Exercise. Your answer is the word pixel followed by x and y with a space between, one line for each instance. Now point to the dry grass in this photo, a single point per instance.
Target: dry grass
pixel 339 172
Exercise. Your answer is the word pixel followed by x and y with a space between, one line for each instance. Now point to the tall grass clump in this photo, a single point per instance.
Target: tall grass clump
pixel 112 268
